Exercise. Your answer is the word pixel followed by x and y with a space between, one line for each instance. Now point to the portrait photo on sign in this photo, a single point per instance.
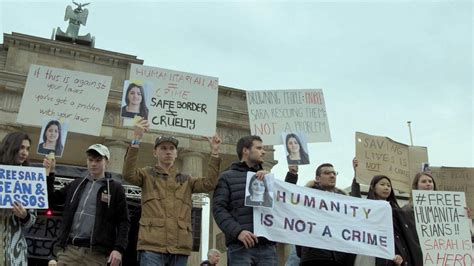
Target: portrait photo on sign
pixel 296 148
pixel 425 167
pixel 135 99
pixel 259 193
pixel 53 137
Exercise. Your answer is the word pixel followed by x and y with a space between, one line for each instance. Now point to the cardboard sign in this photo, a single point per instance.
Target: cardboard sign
pixel 73 96
pixel 443 227
pixel 455 179
pixel 382 156
pixel 314 218
pixel 180 102
pixel 274 112
pixel 26 185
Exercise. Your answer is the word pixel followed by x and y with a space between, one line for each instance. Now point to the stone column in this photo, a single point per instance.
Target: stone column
pixel 192 163
pixel 5 130
pixel 117 150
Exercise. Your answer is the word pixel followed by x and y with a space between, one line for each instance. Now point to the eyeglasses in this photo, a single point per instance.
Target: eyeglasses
pixel 330 172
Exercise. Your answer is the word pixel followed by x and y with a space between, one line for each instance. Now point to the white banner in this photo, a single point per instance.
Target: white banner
pixel 443 227
pixel 73 96
pixel 26 185
pixel 180 102
pixel 314 218
pixel 277 111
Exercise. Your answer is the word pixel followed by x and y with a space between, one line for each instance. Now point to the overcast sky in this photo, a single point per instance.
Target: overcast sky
pixel 379 63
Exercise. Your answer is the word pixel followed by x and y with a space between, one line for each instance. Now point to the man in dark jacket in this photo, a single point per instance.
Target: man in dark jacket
pixel 95 225
pixel 325 180
pixel 233 218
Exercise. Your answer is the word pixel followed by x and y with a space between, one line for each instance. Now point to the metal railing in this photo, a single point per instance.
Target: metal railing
pixel 133 192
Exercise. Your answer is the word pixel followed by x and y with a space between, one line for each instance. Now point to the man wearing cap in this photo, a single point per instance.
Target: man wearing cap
pixel 165 232
pixel 95 225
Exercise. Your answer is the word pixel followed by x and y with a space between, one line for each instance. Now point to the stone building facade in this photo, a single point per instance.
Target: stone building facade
pixel 18 51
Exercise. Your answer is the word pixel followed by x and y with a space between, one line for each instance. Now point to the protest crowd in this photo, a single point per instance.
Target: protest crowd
pixel 96 221
pixel 254 209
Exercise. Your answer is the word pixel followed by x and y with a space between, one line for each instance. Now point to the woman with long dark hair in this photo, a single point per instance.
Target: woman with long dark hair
pixel 135 102
pixel 15 150
pixel 52 139
pixel 296 153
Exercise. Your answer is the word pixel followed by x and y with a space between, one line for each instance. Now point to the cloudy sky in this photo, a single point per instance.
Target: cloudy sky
pixel 379 63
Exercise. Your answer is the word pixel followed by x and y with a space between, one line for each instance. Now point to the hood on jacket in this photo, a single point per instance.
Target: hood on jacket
pixel 243 167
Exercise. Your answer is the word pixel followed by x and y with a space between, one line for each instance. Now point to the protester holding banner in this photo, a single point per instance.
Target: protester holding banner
pixel 165 236
pixel 326 181
pixel 135 102
pixel 296 153
pixel 15 150
pixel 95 225
pixel 233 217
pixel 52 141
pixel 407 248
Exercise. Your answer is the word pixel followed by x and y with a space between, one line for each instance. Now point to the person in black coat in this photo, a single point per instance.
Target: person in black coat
pixel 233 217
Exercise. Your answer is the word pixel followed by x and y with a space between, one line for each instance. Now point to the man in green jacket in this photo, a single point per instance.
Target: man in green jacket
pixel 165 232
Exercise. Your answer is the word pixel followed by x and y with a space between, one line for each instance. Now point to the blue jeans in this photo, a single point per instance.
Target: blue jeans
pixel 150 258
pixel 260 255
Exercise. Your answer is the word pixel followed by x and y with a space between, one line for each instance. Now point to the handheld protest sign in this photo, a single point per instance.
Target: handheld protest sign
pixel 443 227
pixel 259 193
pixel 53 137
pixel 296 148
pixel 135 101
pixel 179 102
pixel 313 218
pixel 26 185
pixel 274 111
pixel 456 179
pixel 75 96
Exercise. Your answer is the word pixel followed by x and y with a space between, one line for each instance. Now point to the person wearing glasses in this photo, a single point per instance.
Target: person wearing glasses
pixel 165 232
pixel 325 180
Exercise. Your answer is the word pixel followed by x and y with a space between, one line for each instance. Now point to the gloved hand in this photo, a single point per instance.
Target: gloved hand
pixel 181 178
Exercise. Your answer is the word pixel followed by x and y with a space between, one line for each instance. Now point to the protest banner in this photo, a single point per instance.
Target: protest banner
pixel 443 227
pixel 73 96
pixel 27 185
pixel 180 102
pixel 42 236
pixel 382 156
pixel 455 179
pixel 314 218
pixel 277 111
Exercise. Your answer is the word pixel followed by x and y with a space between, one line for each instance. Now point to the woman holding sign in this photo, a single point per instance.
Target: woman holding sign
pixel 135 103
pixel 52 140
pixel 407 253
pixel 14 150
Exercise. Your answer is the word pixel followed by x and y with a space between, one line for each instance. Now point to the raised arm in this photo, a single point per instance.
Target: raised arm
pixel 208 183
pixel 355 187
pixel 130 172
pixel 55 197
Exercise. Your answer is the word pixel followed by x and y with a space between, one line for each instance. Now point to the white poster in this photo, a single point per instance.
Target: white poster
pixel 179 102
pixel 314 218
pixel 277 111
pixel 77 97
pixel 443 227
pixel 25 185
